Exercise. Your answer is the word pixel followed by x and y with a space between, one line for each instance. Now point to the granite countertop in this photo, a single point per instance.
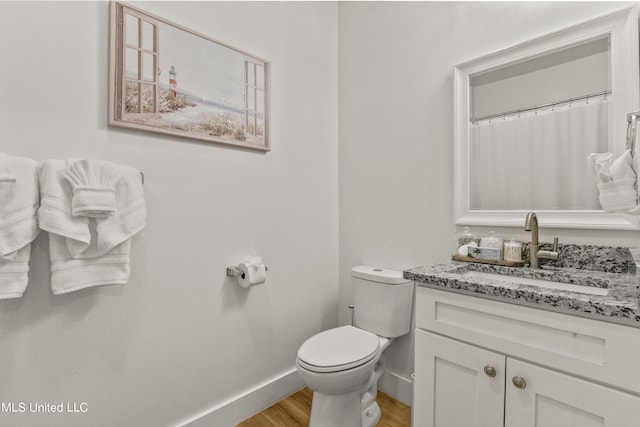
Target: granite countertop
pixel 619 305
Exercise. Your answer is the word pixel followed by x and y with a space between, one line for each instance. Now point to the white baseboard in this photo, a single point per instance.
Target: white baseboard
pixel 249 403
pixel 397 386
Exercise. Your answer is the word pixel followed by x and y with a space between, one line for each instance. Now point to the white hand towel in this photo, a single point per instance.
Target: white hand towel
pixel 635 164
pixel 94 187
pixel 131 214
pixel 618 196
pixel 14 274
pixel 70 274
pixel 616 181
pixel 600 166
pixel 6 176
pixel 18 224
pixel 54 214
pixel 88 251
pixel 7 180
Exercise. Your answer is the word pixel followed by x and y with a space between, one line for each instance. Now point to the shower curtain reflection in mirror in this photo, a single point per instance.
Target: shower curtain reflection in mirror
pixel 536 160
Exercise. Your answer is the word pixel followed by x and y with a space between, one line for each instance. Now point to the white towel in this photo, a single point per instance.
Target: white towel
pixel 600 166
pixel 94 187
pixel 635 163
pixel 18 225
pixel 616 181
pixel 54 214
pixel 70 274
pixel 7 180
pixel 89 251
pixel 6 176
pixel 14 274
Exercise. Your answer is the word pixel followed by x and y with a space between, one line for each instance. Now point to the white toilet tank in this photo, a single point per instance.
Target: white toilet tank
pixel 382 301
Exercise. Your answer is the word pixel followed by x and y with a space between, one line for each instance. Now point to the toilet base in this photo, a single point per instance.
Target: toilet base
pixel 371 415
pixel 343 410
pixel 357 408
pixel 371 412
pixel 336 410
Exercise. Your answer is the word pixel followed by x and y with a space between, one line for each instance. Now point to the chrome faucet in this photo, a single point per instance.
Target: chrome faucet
pixel 531 224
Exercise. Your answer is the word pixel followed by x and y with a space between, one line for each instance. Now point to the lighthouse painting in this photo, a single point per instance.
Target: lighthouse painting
pixel 168 79
pixel 173 82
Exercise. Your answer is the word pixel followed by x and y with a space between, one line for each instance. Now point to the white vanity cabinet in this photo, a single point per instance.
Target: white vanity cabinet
pixel 552 399
pixel 451 387
pixel 483 363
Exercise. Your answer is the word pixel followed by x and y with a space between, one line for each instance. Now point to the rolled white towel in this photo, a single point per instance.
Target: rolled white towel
pixel 94 187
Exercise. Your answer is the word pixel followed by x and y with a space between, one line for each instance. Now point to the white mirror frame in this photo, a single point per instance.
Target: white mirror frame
pixel 622 28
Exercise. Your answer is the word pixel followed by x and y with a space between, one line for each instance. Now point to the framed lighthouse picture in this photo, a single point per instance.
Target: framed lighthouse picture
pixel 168 79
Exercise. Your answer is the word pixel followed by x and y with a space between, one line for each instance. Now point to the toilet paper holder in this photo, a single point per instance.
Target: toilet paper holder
pixel 233 271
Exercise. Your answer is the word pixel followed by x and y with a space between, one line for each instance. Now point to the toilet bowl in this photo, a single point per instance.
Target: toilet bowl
pixel 343 365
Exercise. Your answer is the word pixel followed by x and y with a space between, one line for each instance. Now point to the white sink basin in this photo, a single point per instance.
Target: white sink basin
pixel 592 290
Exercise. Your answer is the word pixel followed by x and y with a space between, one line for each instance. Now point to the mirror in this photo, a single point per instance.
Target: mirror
pixel 527 117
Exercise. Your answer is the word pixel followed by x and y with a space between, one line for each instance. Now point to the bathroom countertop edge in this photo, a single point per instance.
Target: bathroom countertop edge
pixel 620 305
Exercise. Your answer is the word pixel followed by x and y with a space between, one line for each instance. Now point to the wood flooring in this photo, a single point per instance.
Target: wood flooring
pixel 294 412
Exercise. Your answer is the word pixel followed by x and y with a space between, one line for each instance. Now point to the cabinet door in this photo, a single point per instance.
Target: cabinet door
pixel 551 399
pixel 452 388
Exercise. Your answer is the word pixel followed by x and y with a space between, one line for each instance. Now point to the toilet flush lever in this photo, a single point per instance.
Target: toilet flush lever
pixel 352 308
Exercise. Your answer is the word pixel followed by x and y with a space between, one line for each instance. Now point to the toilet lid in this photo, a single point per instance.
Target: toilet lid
pixel 338 349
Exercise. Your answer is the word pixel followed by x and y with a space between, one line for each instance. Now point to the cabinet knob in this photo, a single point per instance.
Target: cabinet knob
pixel 519 382
pixel 490 371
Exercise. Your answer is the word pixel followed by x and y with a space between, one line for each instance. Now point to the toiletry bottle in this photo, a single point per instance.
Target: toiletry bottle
pixel 465 237
pixel 512 251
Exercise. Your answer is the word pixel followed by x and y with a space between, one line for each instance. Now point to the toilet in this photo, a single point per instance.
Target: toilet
pixel 343 365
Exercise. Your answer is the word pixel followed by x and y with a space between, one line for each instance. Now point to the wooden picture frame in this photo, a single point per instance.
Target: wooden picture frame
pixel 172 80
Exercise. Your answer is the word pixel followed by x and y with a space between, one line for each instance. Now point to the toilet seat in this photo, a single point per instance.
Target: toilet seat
pixel 338 349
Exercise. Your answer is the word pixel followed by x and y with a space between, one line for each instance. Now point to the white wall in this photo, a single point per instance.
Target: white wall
pixel 180 338
pixel 396 130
